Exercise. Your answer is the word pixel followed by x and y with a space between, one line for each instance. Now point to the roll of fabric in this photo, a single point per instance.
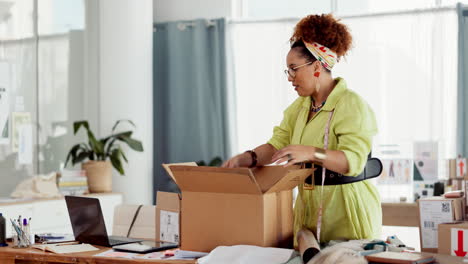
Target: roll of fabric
pixel 308 245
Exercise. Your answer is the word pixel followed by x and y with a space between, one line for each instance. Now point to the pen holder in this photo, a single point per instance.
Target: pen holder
pixel 21 240
pixel 21 237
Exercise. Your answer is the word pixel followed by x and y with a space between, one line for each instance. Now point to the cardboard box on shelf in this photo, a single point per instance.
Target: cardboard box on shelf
pixel 452 168
pixel 400 214
pixel 222 206
pixel 434 211
pixel 453 239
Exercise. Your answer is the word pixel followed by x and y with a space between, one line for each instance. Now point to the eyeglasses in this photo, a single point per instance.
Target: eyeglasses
pixel 291 72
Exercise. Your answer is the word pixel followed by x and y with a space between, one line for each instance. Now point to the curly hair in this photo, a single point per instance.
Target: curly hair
pixel 323 29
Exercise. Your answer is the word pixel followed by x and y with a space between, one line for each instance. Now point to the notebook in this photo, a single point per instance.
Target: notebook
pixel 88 222
pixel 64 249
pixel 400 258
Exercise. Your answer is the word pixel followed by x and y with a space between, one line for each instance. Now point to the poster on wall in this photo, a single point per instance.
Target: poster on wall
pixel 396 171
pixel 460 167
pixel 4 102
pixel 18 120
pixel 426 161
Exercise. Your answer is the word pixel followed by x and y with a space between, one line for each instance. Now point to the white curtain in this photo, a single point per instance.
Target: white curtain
pixel 262 91
pixel 53 80
pixel 404 65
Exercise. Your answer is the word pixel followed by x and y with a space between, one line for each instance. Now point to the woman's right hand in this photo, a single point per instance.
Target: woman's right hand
pixel 241 160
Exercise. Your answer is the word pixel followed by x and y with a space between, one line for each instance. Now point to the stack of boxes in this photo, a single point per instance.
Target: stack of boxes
pixel 73 182
pixel 434 211
pixel 441 220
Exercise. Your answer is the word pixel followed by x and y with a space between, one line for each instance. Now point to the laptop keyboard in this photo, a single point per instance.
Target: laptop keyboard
pixel 121 240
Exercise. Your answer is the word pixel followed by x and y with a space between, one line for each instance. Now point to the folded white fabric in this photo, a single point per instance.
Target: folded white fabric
pixel 244 254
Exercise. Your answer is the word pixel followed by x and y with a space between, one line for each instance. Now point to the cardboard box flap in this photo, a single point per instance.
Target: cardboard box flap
pixel 267 176
pixel 166 167
pixel 291 178
pixel 215 180
pixel 168 201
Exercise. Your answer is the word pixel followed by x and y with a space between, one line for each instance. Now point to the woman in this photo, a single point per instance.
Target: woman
pixel 327 125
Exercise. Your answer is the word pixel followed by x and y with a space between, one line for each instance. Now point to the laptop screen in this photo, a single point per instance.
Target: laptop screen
pixel 87 220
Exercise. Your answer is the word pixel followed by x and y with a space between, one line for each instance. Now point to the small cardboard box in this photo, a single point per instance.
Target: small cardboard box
pixel 453 239
pixel 224 207
pixel 144 226
pixel 434 211
pixel 400 214
pixel 452 168
pixel 168 217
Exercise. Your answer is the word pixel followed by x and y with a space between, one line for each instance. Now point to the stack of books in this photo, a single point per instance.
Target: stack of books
pixel 73 182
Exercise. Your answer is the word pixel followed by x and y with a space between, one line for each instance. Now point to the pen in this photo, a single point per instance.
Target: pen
pixel 50 236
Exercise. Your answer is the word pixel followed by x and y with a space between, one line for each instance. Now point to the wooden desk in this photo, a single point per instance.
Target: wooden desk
pixel 10 255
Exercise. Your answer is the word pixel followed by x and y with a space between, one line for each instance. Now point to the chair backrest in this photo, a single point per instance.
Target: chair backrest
pixel 145 223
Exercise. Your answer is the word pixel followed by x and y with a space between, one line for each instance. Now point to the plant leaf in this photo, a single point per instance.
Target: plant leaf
pixel 82 156
pixel 132 143
pixel 112 139
pixel 122 154
pixel 216 162
pixel 115 160
pixel 125 134
pixel 109 147
pixel 91 155
pixel 96 145
pixel 72 154
pixel 78 124
pixel 122 120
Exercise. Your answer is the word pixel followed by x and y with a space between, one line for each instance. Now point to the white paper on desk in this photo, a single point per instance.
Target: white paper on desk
pixel 5 87
pixel 25 144
pixel 247 254
pixel 189 254
pixel 128 255
pixel 116 254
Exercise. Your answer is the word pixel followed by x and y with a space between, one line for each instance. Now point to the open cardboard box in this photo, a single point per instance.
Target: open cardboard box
pixel 223 206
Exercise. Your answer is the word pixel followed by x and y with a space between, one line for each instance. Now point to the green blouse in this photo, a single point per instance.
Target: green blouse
pixel 351 211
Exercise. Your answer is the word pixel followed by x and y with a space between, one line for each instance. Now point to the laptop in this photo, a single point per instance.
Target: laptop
pixel 88 222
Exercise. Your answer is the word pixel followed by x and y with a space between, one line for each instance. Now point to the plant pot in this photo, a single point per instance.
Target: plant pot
pixel 99 174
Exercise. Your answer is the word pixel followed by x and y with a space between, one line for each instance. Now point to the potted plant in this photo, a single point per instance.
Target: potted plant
pixel 215 162
pixel 101 155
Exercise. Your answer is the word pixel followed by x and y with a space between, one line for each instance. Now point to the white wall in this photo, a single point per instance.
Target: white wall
pixel 126 55
pixel 170 10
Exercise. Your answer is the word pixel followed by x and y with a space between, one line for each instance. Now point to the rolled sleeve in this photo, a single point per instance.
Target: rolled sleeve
pixel 280 138
pixel 354 134
pixel 282 134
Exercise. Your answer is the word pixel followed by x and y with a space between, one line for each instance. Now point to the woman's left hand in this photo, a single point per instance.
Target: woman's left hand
pixel 293 154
